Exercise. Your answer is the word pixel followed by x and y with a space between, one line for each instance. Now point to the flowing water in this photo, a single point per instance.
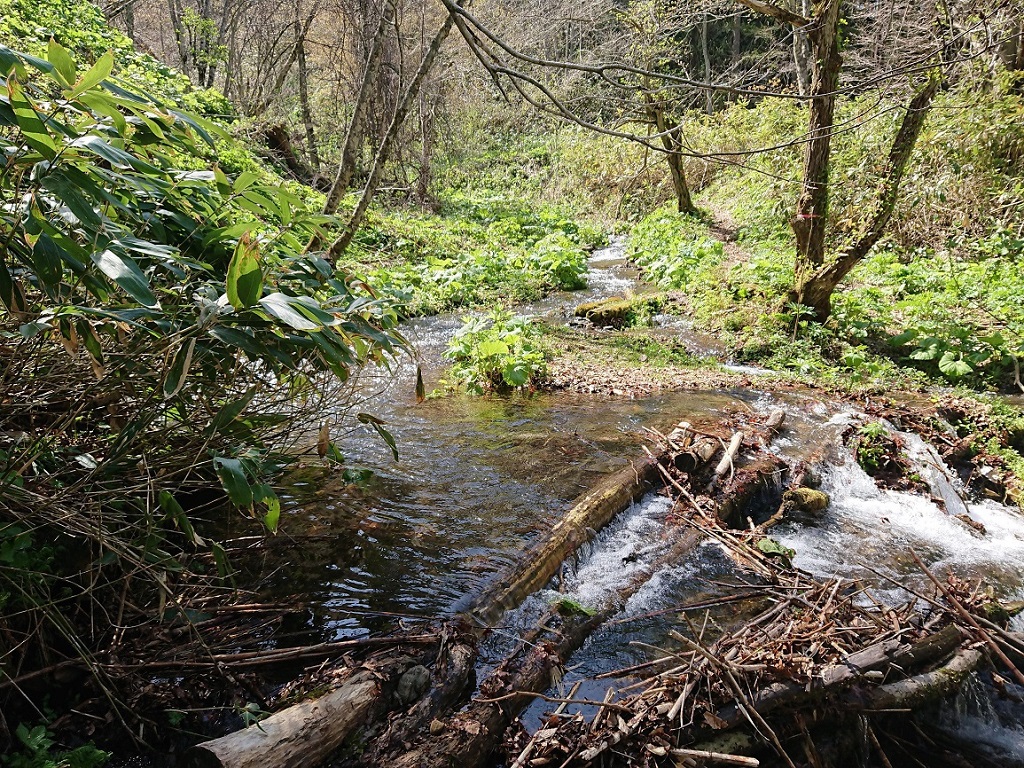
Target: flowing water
pixel 479 479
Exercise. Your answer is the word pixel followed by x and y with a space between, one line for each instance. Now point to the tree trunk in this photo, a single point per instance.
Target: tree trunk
pixel 802 55
pixel 307 115
pixel 591 512
pixel 380 160
pixel 815 288
pixel 347 165
pixel 669 132
pixel 812 207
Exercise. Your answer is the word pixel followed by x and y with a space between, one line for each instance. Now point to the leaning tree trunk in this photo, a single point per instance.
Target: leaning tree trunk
pixel 670 141
pixel 347 166
pixel 815 288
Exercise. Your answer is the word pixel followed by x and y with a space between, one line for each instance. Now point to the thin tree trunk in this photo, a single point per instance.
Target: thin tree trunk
pixel 815 288
pixel 709 106
pixel 307 114
pixel 384 150
pixel 347 166
pixel 669 140
pixel 802 55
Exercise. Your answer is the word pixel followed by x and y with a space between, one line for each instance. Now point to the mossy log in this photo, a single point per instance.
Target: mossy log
pixel 616 311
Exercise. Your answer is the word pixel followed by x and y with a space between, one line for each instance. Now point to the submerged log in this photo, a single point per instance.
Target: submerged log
pixel 591 512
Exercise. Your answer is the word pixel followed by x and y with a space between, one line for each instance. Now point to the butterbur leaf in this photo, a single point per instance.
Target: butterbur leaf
pixel 178 372
pixel 233 479
pixel 63 64
pixel 954 366
pixel 491 348
pixel 245 277
pixel 516 375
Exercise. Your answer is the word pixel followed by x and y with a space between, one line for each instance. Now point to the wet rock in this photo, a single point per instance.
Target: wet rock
pixel 805 500
pixel 413 684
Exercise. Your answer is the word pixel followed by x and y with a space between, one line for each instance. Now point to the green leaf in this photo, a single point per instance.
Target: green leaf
pixel 175 379
pixel 173 510
pixel 126 273
pixel 232 477
pixel 516 375
pixel 954 366
pixel 47 258
pixel 378 427
pixel 492 348
pixel 116 157
pixel 772 547
pixel 245 278
pixel 96 74
pixel 31 124
pixel 273 516
pixel 282 307
pixel 231 411
pixel 63 64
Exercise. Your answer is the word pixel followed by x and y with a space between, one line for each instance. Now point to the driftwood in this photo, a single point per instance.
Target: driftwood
pixel 306 733
pixel 302 735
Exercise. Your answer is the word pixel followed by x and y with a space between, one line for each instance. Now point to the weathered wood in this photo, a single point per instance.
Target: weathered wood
pixel 591 512
pixel 454 673
pixel 300 736
pixel 885 655
pixel 715 757
pixel 929 686
pixel 470 737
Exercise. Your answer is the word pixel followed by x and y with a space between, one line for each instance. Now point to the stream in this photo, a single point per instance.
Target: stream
pixel 480 478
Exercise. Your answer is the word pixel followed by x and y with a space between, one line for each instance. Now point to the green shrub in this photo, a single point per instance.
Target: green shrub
pixel 496 353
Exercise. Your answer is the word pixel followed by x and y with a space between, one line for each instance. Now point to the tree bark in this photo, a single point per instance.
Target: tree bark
pixel 815 288
pixel 802 55
pixel 669 140
pixel 298 736
pixel 591 512
pixel 312 153
pixel 812 206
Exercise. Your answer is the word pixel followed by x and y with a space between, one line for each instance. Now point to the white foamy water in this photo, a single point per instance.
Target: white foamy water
pixel 624 551
pixel 867 526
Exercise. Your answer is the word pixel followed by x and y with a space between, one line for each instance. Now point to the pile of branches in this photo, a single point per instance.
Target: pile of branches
pixel 820 653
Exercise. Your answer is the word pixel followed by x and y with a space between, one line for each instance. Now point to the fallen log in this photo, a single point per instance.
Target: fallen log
pixel 470 737
pixel 306 733
pixel 302 735
pixel 591 512
pixel 454 673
